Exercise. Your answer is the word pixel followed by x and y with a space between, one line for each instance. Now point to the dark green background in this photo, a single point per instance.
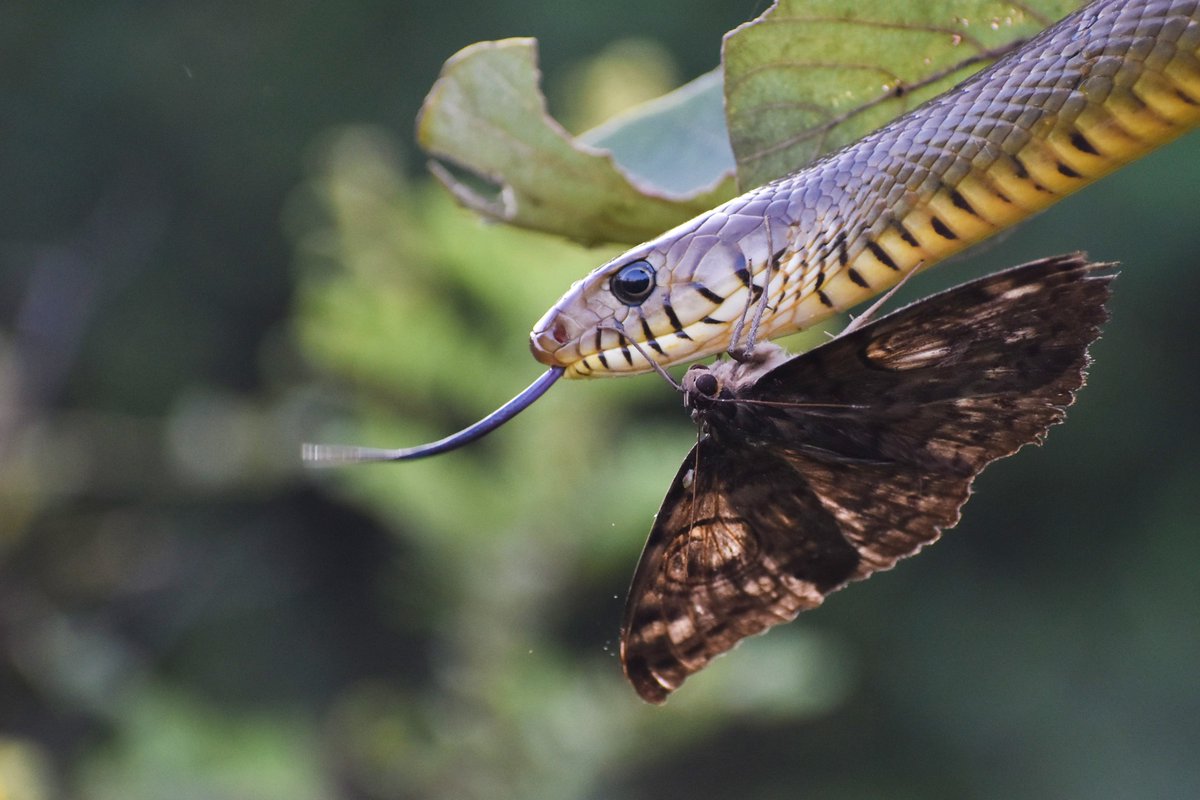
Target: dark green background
pixel 185 613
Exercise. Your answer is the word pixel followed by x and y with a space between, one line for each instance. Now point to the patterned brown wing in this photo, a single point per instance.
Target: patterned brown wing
pixel 891 423
pixel 740 544
pixel 953 381
pixel 845 459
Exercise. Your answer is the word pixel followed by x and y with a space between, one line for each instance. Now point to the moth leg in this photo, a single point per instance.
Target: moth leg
pixel 735 350
pixel 745 353
pixel 865 317
pixel 618 328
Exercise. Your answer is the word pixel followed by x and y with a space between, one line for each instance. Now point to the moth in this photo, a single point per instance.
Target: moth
pixel 821 469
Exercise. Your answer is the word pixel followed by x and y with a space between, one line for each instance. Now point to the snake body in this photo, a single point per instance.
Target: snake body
pixel 1104 86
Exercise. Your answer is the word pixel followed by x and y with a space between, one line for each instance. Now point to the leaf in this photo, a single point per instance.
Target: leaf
pixel 810 76
pixel 486 115
pixel 678 143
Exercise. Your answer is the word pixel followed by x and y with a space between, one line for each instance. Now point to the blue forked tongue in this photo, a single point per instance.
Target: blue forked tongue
pixel 330 455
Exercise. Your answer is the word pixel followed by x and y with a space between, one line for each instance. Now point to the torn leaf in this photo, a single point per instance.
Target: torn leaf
pixel 497 150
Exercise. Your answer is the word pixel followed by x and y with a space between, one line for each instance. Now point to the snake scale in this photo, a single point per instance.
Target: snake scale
pixel 1102 87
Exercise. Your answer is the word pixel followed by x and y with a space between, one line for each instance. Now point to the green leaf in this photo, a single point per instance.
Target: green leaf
pixel 678 143
pixel 486 116
pixel 810 76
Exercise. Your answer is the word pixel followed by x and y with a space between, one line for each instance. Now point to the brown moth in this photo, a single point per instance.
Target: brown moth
pixel 820 469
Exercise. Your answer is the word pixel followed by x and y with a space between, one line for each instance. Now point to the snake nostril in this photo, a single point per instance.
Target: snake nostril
pixel 559 333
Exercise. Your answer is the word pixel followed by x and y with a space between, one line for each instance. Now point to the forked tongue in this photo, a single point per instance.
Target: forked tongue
pixel 332 455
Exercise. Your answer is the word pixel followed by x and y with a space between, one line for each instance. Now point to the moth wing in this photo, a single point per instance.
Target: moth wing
pixel 740 544
pixel 891 423
pixel 845 459
pixel 947 384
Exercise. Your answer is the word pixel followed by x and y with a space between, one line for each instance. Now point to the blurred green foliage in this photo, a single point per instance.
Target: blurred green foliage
pixel 204 262
pixel 513 529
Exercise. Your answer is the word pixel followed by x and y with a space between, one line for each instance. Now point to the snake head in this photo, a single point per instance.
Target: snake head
pixel 678 297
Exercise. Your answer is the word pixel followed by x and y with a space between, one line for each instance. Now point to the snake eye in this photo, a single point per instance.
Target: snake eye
pixel 633 283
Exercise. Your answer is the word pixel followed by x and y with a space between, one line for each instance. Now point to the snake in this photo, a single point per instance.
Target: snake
pixel 1105 85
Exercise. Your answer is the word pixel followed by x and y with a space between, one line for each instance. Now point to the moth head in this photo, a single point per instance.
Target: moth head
pixel 703 389
pixel 701 382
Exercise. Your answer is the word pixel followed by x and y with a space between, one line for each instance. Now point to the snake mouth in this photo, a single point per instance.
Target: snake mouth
pixel 613 352
pixel 548 344
pixel 593 351
pixel 553 347
pixel 555 338
pixel 602 349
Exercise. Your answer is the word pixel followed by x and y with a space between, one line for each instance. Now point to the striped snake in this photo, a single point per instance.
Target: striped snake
pixel 1102 87
pixel 1107 84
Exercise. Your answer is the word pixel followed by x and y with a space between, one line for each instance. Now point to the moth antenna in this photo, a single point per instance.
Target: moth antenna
pixel 865 317
pixel 330 455
pixel 746 401
pixel 618 328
